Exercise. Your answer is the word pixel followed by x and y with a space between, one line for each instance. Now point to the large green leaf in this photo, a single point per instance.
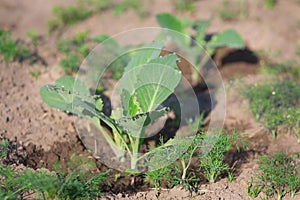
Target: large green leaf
pixel 149 85
pixel 61 95
pixel 174 28
pixel 144 54
pixel 169 60
pixel 200 27
pixel 166 20
pixel 156 83
pixel 228 38
pixel 56 97
pixel 144 88
pixel 127 86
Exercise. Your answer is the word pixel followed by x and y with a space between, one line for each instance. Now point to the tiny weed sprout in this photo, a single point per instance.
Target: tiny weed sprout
pixel 3 148
pixel 135 5
pixel 10 49
pixel 231 11
pixel 75 49
pixel 275 104
pixel 277 176
pixel 199 58
pixel 269 4
pixel 35 40
pixel 185 6
pixel 148 80
pixel 65 16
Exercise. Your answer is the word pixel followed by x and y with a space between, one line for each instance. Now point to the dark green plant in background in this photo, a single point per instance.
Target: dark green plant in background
pixel 74 50
pixel 269 4
pixel 136 5
pixel 199 53
pixel 275 104
pixel 34 38
pixel 12 50
pixel 231 11
pixel 288 68
pixel 65 16
pixel 277 176
pixel 185 5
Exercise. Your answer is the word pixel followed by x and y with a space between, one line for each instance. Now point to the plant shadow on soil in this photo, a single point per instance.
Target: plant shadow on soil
pixel 236 62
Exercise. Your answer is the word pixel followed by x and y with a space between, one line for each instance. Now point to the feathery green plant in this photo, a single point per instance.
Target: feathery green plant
pixel 277 176
pixel 275 104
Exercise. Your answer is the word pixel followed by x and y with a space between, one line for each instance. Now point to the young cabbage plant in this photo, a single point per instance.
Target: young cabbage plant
pixel 148 80
pixel 196 55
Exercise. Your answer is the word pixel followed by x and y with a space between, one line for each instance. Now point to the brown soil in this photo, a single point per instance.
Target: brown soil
pixel 46 135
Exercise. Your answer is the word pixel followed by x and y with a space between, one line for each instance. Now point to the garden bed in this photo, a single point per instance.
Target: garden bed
pixel 41 135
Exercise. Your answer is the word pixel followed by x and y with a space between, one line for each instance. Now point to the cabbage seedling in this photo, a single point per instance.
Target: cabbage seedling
pixel 226 38
pixel 148 80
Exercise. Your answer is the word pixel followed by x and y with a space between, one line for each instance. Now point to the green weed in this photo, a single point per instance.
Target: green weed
pixel 34 73
pixel 229 11
pixel 77 182
pixel 10 49
pixel 269 4
pixel 65 16
pixel 3 148
pixel 136 5
pixel 74 50
pixel 157 177
pixel 178 172
pixel 185 6
pixel 298 46
pixel 188 178
pixel 277 176
pixel 290 69
pixel 77 48
pixel 212 164
pixel 35 40
pixel 275 104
